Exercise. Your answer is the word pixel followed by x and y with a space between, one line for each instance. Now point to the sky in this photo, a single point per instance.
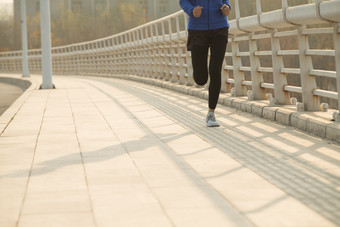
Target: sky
pixel 6 1
pixel 6 4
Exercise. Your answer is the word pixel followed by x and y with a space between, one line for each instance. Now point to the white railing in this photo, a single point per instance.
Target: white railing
pixel 158 50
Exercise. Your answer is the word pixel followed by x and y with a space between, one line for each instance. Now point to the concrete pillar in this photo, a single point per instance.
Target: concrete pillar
pixel 25 71
pixel 46 44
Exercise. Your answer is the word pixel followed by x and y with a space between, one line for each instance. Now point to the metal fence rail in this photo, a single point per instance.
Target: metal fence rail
pixel 158 50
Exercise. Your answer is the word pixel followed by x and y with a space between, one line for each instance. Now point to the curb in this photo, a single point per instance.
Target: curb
pixel 28 85
pixel 23 83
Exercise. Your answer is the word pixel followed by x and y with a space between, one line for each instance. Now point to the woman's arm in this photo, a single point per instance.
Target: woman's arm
pixel 187 6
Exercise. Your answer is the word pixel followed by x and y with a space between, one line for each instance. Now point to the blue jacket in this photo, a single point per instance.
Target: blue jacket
pixel 211 17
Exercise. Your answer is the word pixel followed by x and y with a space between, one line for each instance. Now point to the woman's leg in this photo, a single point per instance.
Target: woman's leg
pixel 199 58
pixel 217 49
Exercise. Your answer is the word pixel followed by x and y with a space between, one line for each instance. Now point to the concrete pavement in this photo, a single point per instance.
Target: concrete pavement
pixel 111 152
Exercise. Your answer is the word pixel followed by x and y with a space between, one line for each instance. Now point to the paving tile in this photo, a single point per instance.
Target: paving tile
pixel 12 192
pixel 43 182
pixel 84 219
pixel 171 177
pixel 204 217
pixel 284 212
pixel 10 211
pixel 57 202
pixel 131 217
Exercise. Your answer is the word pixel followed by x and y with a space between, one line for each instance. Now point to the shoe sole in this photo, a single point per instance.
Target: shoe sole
pixel 213 126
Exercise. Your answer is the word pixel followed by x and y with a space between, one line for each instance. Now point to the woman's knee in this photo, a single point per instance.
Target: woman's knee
pixel 200 79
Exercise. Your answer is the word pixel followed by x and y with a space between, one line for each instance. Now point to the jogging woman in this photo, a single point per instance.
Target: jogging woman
pixel 208 28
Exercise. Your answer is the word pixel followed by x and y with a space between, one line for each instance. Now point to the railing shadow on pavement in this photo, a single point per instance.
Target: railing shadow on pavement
pixel 305 167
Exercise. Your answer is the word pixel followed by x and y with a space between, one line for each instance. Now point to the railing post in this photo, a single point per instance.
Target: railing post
pixel 85 59
pixel 149 69
pixel 167 53
pixel 92 57
pixel 279 79
pixel 256 76
pixel 96 57
pixel 25 71
pixel 157 53
pixel 337 58
pixel 239 89
pixel 152 61
pixel 173 73
pixel 189 70
pixel 181 70
pixel 237 13
pixel 76 59
pixel 308 83
pixel 46 56
pixel 144 52
pixel 135 53
pixel 126 55
pixel 129 54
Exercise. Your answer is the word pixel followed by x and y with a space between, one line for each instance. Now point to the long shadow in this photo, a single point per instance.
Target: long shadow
pixel 298 178
pixel 100 155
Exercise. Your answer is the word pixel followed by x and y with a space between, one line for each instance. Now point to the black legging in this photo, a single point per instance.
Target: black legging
pixel 199 56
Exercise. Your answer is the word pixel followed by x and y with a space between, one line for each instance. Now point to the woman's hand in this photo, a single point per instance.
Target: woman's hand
pixel 197 11
pixel 225 10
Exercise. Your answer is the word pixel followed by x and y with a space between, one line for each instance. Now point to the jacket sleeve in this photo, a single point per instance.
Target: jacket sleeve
pixel 227 3
pixel 187 6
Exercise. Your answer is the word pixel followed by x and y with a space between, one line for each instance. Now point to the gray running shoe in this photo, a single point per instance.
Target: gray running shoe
pixel 211 121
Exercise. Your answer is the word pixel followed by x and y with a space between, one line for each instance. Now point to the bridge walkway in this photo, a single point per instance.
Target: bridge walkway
pixel 112 152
